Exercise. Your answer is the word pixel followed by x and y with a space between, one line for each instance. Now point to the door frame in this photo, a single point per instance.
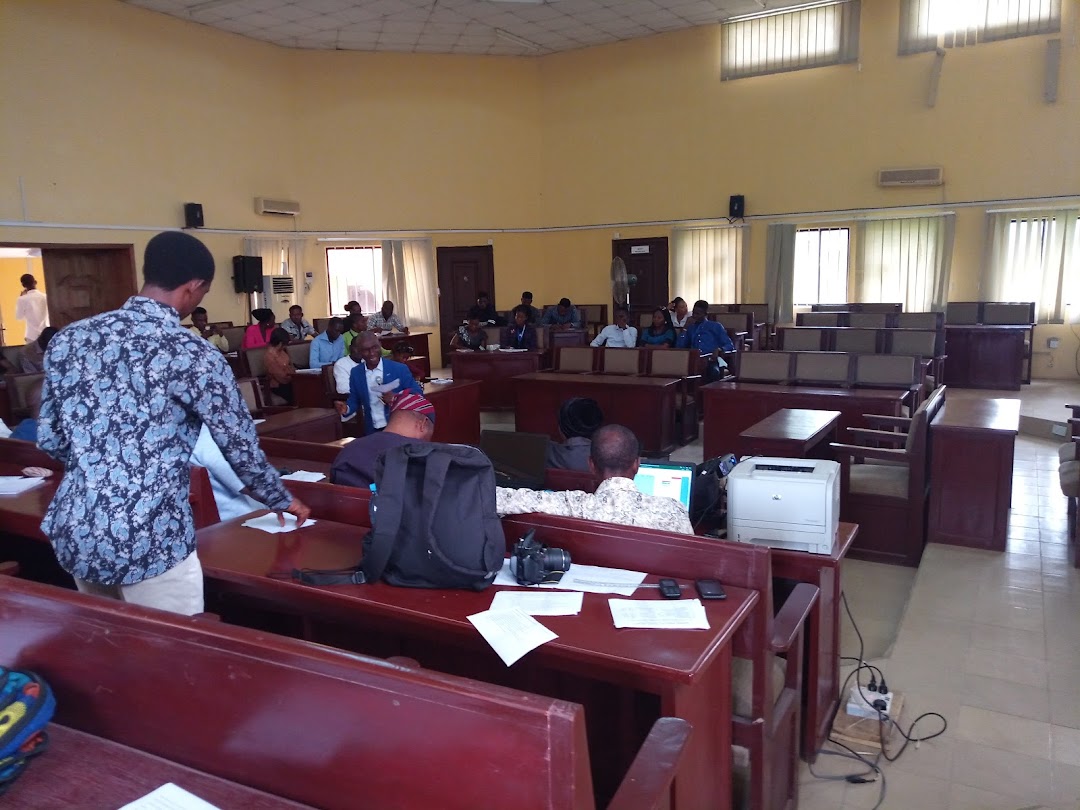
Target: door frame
pixel 445 307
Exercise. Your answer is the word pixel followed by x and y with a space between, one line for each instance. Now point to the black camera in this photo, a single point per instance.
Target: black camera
pixel 533 563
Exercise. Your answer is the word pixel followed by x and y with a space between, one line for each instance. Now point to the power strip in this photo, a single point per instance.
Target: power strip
pixel 860 706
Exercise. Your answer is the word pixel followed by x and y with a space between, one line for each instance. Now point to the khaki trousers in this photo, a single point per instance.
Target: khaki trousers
pixel 178 590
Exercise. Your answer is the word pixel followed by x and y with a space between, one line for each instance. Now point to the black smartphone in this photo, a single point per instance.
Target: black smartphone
pixel 710 589
pixel 669 589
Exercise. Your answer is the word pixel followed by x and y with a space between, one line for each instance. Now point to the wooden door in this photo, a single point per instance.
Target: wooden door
pixel 463 272
pixel 648 260
pixel 83 280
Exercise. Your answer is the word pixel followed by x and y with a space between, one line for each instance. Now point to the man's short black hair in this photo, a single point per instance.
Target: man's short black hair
pixel 296 306
pixel 520 308
pixel 702 304
pixel 338 322
pixel 565 302
pixel 279 337
pixel 27 280
pixel 351 304
pixel 199 311
pixel 622 311
pixel 172 259
pixel 580 416
pixel 527 294
pixel 614 450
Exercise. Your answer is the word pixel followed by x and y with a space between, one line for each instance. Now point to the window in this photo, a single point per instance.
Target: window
pixel 821 266
pixel 708 264
pixel 926 25
pixel 780 41
pixel 355 274
pixel 1035 256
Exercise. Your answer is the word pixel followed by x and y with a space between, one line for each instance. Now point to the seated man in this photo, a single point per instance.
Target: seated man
pixel 279 366
pixel 486 309
pixel 32 355
pixel 328 347
pixel 374 383
pixel 708 337
pixel 532 312
pixel 619 335
pixel 614 459
pixel 343 368
pixel 412 419
pixel 296 326
pixel 579 419
pixel 386 321
pixel 562 316
pixel 200 326
pixel 230 494
pixel 521 334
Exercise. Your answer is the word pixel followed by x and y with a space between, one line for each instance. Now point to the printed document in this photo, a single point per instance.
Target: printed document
pixel 585 578
pixel 16 484
pixel 169 797
pixel 269 523
pixel 539 603
pixel 674 614
pixel 511 633
pixel 303 475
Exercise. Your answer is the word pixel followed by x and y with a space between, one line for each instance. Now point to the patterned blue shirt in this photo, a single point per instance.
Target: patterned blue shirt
pixel 125 395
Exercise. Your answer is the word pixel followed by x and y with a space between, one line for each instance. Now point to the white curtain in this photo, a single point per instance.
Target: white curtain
pixel 409 280
pixel 1034 256
pixel 281 257
pixel 709 264
pixel 906 260
pixel 780 273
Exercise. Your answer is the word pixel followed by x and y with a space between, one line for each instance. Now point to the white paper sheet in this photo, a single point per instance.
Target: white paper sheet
pixel 440 381
pixel 539 603
pixel 512 350
pixel 385 387
pixel 585 578
pixel 511 633
pixel 269 523
pixel 309 371
pixel 303 475
pixel 258 421
pixel 16 484
pixel 674 614
pixel 169 797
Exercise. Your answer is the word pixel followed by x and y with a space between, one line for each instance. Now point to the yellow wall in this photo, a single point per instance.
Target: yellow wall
pixel 11 270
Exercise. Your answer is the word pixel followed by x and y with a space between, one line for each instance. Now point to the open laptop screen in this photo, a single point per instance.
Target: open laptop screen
pixel 666 480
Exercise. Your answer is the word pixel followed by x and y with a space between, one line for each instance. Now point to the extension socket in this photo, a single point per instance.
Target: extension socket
pixel 857 706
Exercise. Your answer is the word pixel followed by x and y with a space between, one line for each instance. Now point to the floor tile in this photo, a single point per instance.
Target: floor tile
pixel 1008 640
pixel 1006 697
pixel 1065 787
pixel 1014 668
pixel 1002 772
pixel 1065 745
pixel 902 791
pixel 963 797
pixel 1003 731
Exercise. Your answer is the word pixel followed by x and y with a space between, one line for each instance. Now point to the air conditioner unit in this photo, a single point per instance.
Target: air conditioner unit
pixel 281 208
pixel 278 293
pixel 929 176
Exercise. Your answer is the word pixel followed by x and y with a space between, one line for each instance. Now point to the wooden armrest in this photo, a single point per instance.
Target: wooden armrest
pixel 901 421
pixel 206 617
pixel 404 661
pixel 9 569
pixel 647 783
pixel 883 453
pixel 879 435
pixel 788 623
pixel 1073 407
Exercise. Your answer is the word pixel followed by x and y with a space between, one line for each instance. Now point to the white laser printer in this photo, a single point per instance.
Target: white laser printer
pixel 790 503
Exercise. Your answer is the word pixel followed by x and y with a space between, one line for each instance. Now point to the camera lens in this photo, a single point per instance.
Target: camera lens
pixel 555 559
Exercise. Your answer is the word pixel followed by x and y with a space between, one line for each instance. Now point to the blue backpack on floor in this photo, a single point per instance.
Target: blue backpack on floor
pixel 26 707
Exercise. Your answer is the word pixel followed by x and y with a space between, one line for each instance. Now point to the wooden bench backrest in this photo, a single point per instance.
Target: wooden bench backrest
pixel 254 361
pixel 575 358
pixel 801 339
pixel 27 454
pixel 622 361
pixel 235 336
pixel 18 388
pixel 300 353
pixel 672 362
pixel 774 367
pixel 820 319
pixel 865 341
pixel 306 451
pixel 921 320
pixel 326 728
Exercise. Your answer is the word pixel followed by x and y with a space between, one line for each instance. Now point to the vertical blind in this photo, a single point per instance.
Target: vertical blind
pixel 926 24
pixel 907 260
pixel 1035 256
pixel 708 264
pixel 815 36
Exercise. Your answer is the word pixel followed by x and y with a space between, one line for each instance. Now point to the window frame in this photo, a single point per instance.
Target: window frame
pixel 376 274
pixel 801 306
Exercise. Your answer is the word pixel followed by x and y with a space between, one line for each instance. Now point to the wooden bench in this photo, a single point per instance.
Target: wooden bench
pixel 328 729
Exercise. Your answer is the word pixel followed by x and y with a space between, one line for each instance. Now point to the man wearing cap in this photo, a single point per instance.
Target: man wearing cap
pixel 579 419
pixel 374 383
pixel 412 419
pixel 563 315
pixel 126 393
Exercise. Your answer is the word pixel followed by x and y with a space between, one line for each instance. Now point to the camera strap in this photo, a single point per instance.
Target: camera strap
pixel 338 576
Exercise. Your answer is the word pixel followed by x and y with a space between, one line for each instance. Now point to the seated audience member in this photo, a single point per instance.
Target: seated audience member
pixel 327 347
pixel 614 459
pixel 32 355
pixel 386 321
pixel 488 315
pixel 352 308
pixel 521 334
pixel 680 313
pixel 708 337
pixel 230 494
pixel 297 327
pixel 563 315
pixel 579 419
pixel 343 368
pixel 258 334
pixel 412 419
pixel 355 324
pixel 470 336
pixel 619 335
pixel 374 372
pixel 402 353
pixel 200 325
pixel 26 430
pixel 660 334
pixel 533 313
pixel 279 367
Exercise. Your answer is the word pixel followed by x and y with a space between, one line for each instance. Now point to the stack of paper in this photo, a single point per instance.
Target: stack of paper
pixel 585 578
pixel 303 475
pixel 16 484
pixel 510 632
pixel 309 371
pixel 169 797
pixel 676 614
pixel 269 523
pixel 441 380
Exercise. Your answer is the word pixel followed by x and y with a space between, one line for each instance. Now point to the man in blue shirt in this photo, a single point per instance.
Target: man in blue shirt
pixel 708 337
pixel 328 347
pixel 126 393
pixel 374 383
pixel 562 316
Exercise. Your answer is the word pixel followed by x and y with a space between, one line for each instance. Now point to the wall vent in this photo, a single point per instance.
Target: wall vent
pixel 281 208
pixel 930 176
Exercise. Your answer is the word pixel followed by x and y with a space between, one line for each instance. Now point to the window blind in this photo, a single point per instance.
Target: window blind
pixel 926 25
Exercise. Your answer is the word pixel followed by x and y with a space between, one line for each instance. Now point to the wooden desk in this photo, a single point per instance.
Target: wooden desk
pixel 790 433
pixel 679 673
pixel 302 424
pixel 309 390
pixel 645 405
pixel 971 461
pixel 732 407
pixel 457 411
pixel 985 356
pixel 419 342
pixel 494 370
pixel 821 687
pixel 84 771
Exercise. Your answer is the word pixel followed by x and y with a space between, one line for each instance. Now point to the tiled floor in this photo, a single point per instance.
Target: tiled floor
pixel 991 641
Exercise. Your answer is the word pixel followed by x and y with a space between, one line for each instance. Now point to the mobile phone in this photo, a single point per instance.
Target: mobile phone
pixel 669 589
pixel 710 589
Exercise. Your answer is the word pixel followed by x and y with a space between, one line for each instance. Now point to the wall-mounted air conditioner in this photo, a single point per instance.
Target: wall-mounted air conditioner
pixel 281 208
pixel 929 176
pixel 278 293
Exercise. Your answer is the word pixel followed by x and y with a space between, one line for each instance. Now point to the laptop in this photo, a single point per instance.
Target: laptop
pixel 666 480
pixel 519 459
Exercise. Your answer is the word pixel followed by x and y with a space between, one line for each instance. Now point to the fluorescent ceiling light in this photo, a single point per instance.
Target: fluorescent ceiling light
pixel 514 38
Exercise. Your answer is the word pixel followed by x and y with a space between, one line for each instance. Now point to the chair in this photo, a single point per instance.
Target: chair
pixel 299 353
pixel 622 361
pixel 252 394
pixel 18 389
pixel 830 308
pixel 739 326
pixel 877 307
pixel 868 320
pixel 921 320
pixel 575 360
pixel 818 319
pixel 962 313
pixel 919 343
pixel 861 341
pixel 823 368
pixel 682 364
pixel 800 339
pixel 767 367
pixel 254 360
pixel 235 336
pixel 493 335
pixel 885 489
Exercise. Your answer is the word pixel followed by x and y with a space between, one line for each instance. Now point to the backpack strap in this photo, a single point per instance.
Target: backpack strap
pixel 386 510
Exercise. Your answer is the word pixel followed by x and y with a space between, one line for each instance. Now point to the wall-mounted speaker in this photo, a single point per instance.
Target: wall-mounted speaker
pixel 736 206
pixel 193 217
pixel 247 273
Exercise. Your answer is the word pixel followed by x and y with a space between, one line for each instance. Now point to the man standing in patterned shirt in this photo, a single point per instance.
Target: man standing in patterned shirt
pixel 126 393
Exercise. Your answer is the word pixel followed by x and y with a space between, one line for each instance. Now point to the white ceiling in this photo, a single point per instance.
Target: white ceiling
pixel 454 26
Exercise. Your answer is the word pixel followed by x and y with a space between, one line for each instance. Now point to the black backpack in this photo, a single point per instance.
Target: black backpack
pixel 433 519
